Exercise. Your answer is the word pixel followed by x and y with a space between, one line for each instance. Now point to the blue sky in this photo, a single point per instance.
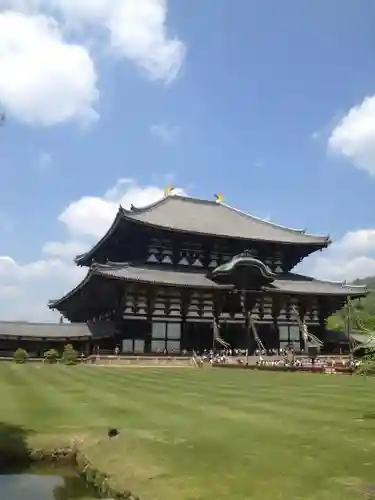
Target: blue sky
pixel 263 101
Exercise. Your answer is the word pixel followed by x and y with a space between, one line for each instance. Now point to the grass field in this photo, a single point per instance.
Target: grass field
pixel 205 434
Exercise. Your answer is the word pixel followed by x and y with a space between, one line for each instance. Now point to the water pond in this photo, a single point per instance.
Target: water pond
pixel 50 483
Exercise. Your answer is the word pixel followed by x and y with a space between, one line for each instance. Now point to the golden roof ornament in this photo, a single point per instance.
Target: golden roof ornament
pixel 219 197
pixel 168 190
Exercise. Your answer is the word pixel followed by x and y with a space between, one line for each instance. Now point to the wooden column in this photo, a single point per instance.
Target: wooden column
pixel 276 308
pixel 185 301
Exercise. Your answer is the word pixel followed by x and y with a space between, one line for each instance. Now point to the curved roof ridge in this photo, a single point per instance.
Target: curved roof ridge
pixel 137 210
pixel 108 264
pixel 145 215
pixel 355 286
pixel 280 226
pixel 333 282
pixel 155 204
pixel 91 251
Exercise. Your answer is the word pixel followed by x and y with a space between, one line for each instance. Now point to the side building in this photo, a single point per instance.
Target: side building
pixel 164 275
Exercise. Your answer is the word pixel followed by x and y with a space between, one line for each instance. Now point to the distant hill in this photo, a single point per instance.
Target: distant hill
pixel 364 310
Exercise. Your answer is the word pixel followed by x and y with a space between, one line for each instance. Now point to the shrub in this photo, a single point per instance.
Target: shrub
pixel 51 356
pixel 20 355
pixel 70 355
pixel 367 366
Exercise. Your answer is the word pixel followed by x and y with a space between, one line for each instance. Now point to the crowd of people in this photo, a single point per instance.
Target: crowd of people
pixel 283 357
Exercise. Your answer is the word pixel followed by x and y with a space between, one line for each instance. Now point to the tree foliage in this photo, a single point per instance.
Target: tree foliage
pixel 367 364
pixel 20 356
pixel 51 356
pixel 69 356
pixel 364 311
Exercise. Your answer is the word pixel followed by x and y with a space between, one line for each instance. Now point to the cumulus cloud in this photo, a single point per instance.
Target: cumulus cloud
pixel 44 79
pixel 26 288
pixel 136 30
pixel 354 136
pixel 351 257
pixel 64 250
pixel 92 216
pixel 48 75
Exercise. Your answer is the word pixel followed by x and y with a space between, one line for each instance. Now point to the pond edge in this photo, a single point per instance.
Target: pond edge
pixel 74 456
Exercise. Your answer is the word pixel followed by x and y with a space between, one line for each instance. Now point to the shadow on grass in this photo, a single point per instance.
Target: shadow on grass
pixel 369 416
pixel 13 447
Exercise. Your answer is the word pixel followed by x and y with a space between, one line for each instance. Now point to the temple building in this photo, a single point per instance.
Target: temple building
pixel 167 276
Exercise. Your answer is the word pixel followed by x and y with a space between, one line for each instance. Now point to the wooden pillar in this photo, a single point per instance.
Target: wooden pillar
pixel 151 297
pixel 185 301
pixel 276 308
pixel 303 306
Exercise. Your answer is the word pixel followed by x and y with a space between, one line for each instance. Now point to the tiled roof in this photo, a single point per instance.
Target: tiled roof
pixel 54 331
pixel 209 217
pixel 245 259
pixel 290 283
pixel 296 283
pixel 205 217
pixel 158 275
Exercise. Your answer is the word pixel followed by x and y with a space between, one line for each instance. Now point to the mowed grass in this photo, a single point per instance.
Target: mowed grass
pixel 202 434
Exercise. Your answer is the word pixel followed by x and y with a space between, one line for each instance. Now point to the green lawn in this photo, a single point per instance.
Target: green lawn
pixel 205 434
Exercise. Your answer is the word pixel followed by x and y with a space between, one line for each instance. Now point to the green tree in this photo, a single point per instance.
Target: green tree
pixel 367 365
pixel 51 356
pixel 20 356
pixel 70 355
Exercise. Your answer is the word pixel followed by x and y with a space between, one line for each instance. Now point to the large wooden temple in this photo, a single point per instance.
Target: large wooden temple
pixel 165 275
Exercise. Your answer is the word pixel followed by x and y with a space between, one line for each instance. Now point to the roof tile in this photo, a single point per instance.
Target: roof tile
pixel 209 217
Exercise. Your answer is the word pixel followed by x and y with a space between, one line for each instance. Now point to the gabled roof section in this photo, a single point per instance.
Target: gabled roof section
pixel 243 269
pixel 300 284
pixel 287 284
pixel 51 331
pixel 206 217
pixel 193 215
pixel 244 260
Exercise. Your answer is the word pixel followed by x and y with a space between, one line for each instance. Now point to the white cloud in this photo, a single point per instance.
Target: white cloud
pixel 164 132
pixel 64 250
pixel 354 136
pixel 48 76
pixel 54 273
pixel 92 216
pixel 351 257
pixel 44 79
pixel 137 31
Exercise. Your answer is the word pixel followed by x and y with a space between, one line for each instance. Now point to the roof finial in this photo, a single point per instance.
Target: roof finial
pixel 219 197
pixel 168 190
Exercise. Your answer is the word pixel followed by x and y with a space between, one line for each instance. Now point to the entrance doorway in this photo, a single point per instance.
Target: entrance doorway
pixel 235 334
pixel 197 336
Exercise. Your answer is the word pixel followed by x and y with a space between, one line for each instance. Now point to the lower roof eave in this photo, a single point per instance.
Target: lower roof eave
pixel 47 339
pixel 342 294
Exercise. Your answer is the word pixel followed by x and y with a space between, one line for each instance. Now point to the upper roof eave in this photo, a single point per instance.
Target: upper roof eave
pixel 311 239
pixel 307 239
pixel 79 259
